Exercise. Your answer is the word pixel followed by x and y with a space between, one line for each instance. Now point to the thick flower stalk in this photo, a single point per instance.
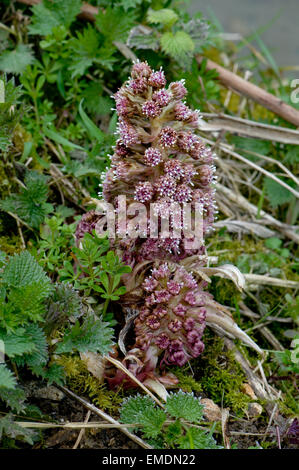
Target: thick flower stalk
pixel 158 161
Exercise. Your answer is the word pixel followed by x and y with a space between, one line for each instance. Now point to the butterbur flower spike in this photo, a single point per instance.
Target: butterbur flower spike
pixel 160 159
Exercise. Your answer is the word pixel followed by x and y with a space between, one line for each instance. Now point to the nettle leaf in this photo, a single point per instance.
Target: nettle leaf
pixel 30 204
pixel 142 410
pixel 197 439
pixel 114 25
pixel 164 16
pixel 184 405
pixel 127 4
pixel 177 45
pixel 94 101
pixel 7 378
pixel 292 155
pixel 92 336
pixel 276 193
pixel 17 343
pixel 17 60
pixel 23 270
pixel 14 398
pixel 39 356
pixel 50 14
pixel 52 374
pixel 8 427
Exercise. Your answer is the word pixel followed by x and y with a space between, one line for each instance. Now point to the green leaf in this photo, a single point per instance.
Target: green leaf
pixel 17 343
pixel 92 336
pixel 132 406
pixel 164 16
pixel 7 378
pixel 52 13
pixel 17 60
pixel 92 129
pixel 61 140
pixel 30 203
pixel 39 356
pixel 114 24
pixel 184 405
pixel 292 155
pixel 14 398
pixel 277 194
pixel 178 45
pixel 273 243
pixel 23 270
pixel 8 427
pixel 197 439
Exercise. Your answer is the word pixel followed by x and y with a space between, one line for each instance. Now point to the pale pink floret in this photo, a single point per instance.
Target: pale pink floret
pixel 152 156
pixel 144 192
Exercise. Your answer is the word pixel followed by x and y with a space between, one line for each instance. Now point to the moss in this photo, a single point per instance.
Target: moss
pixel 220 375
pixel 81 381
pixel 10 245
pixel 186 382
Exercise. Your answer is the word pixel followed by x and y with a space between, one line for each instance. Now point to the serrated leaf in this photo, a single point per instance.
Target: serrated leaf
pixel 10 428
pixel 132 406
pixel 17 343
pixel 23 270
pixel 49 14
pixel 17 60
pixel 197 439
pixel 7 378
pixel 184 405
pixel 39 356
pixel 14 398
pixel 276 193
pixel 114 25
pixel 178 45
pixel 164 16
pixel 92 336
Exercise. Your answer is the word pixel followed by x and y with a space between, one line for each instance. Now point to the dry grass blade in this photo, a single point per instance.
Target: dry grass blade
pixel 106 417
pixel 245 127
pixel 120 366
pixel 270 281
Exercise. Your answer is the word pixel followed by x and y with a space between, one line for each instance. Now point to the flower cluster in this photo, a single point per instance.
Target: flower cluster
pixel 159 159
pixel 173 315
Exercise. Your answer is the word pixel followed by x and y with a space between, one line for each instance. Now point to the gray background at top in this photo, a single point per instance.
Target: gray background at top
pixel 244 16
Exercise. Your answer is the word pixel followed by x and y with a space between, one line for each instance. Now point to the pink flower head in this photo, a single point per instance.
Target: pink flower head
pixel 186 141
pixel 182 112
pixel 168 137
pixel 183 193
pixel 162 271
pixel 165 186
pixel 206 175
pixel 189 173
pixel 120 149
pixel 152 322
pixel 162 341
pixel 174 287
pixel 128 133
pixel 157 79
pixel 144 192
pixel 180 310
pixel 162 296
pixel 175 326
pixel 150 284
pixel 152 156
pixel 174 168
pixel 178 89
pixel 190 298
pixel 151 109
pixel 160 312
pixel 139 85
pixel 141 69
pixel 162 97
pixel 189 324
